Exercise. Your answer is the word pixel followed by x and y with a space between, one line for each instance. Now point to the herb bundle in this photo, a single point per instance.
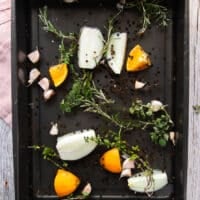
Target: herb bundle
pixel 152 11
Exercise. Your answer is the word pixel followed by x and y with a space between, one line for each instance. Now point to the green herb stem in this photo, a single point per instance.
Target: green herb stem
pixel 49 27
pixel 50 155
pixel 151 11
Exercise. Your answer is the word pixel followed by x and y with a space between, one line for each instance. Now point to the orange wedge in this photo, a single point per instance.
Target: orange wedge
pixel 65 183
pixel 58 73
pixel 110 161
pixel 138 60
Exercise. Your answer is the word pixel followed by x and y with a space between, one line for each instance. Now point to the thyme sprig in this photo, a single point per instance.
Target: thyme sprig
pixel 49 27
pixel 158 121
pixel 93 106
pixel 151 11
pixel 49 154
pixel 83 91
pixel 66 54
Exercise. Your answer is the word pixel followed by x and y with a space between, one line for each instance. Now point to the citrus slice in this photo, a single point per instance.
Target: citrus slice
pixel 65 183
pixel 110 161
pixel 58 73
pixel 138 60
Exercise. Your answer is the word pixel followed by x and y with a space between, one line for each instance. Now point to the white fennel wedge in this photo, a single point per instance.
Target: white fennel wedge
pixel 91 44
pixel 116 51
pixel 76 145
pixel 141 182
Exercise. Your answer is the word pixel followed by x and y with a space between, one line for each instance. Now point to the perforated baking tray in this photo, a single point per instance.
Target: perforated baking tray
pixel 167 81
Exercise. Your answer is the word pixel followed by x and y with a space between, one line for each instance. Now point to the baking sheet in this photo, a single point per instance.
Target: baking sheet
pixel 36 120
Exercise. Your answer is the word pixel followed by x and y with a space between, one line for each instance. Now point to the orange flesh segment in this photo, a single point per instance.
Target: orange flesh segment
pixel 58 73
pixel 110 161
pixel 138 60
pixel 65 183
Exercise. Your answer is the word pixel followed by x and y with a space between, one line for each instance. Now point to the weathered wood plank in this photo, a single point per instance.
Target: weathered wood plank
pixel 193 173
pixel 6 163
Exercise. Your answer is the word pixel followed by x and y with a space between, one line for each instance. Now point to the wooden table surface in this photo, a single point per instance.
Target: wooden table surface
pixel 193 177
pixel 193 173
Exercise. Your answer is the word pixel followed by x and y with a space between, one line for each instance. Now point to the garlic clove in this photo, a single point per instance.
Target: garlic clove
pixel 54 129
pixel 172 137
pixel 126 173
pixel 156 105
pixel 33 75
pixel 128 164
pixel 34 56
pixel 44 83
pixel 139 85
pixel 48 94
pixel 87 189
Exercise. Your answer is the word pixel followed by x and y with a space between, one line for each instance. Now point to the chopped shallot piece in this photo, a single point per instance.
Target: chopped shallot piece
pixel 44 83
pixel 139 85
pixel 48 94
pixel 54 129
pixel 87 189
pixel 34 56
pixel 33 75
pixel 156 105
pixel 128 164
pixel 172 137
pixel 126 173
